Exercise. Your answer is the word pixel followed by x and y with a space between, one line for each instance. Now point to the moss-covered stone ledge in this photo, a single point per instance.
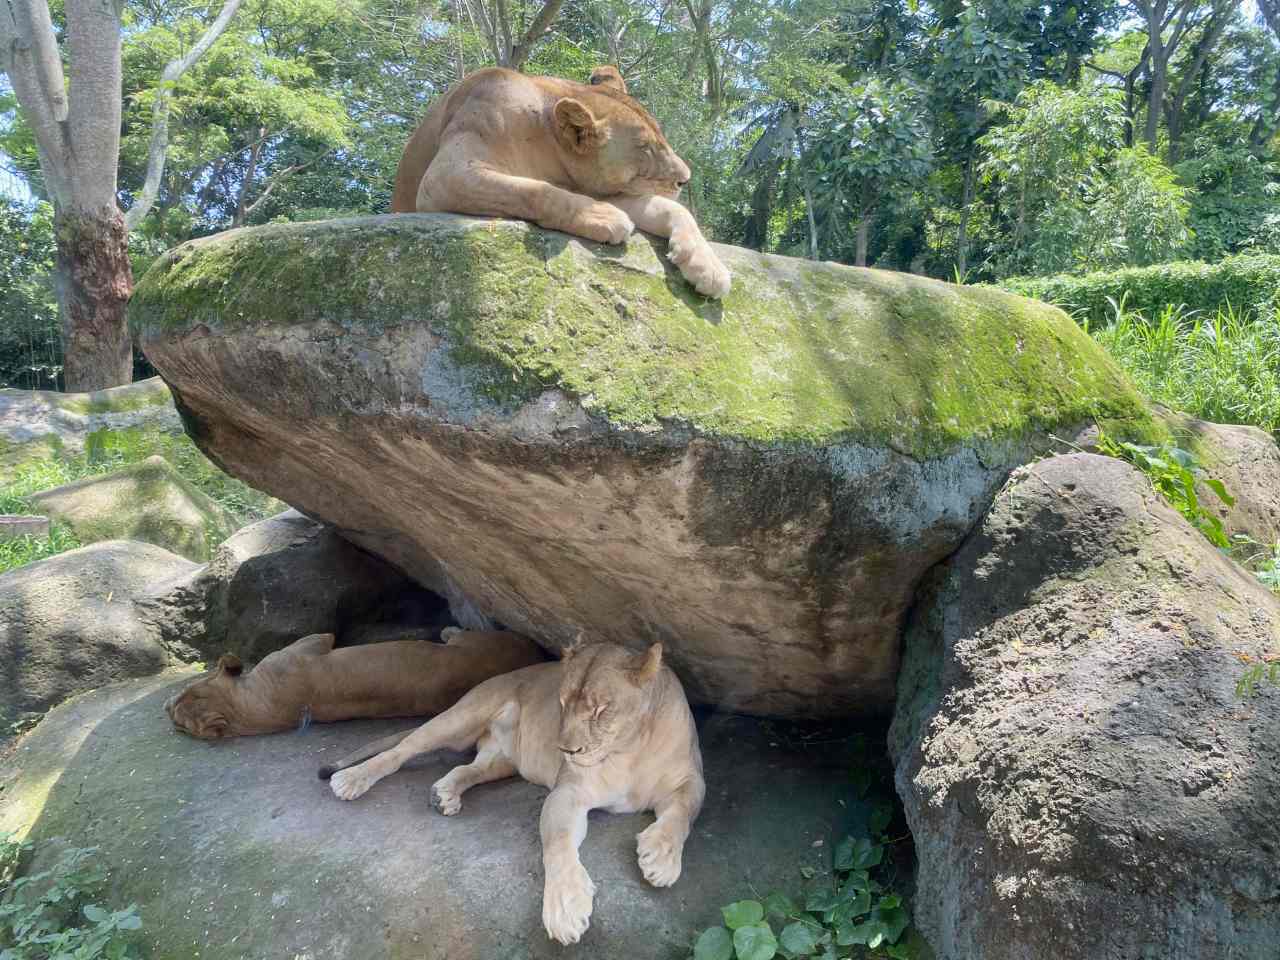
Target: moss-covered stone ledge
pixel 569 435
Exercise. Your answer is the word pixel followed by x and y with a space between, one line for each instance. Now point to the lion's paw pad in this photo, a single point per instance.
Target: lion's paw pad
pixel 445 801
pixel 349 784
pixel 566 904
pixel 659 856
pixel 699 265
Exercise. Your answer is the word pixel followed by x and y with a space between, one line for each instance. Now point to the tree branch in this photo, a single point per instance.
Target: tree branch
pixel 23 56
pixel 541 23
pixel 274 182
pixel 172 72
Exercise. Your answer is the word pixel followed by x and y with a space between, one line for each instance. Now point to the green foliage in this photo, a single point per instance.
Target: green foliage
pixel 1074 199
pixel 106 451
pixel 1174 473
pixel 1235 198
pixel 852 912
pixel 23 550
pixel 1223 367
pixel 1244 284
pixel 52 914
pixel 30 351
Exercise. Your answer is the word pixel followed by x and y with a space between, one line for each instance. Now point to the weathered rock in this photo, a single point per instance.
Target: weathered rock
pixel 43 423
pixel 14 527
pixel 1080 777
pixel 235 851
pixel 277 580
pixel 1247 461
pixel 67 624
pixel 148 501
pixel 581 443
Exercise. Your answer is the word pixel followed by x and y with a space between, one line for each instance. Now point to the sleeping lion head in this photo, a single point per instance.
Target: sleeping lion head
pixel 204 709
pixel 606 697
pixel 612 145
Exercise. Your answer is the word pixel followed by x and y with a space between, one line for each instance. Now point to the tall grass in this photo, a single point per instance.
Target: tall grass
pixel 1223 367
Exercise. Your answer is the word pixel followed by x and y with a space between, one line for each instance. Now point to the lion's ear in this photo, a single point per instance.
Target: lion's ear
pixel 650 662
pixel 230 664
pixel 576 128
pixel 608 76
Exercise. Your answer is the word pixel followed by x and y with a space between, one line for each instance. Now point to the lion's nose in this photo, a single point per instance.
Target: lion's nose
pixel 681 183
pixel 570 751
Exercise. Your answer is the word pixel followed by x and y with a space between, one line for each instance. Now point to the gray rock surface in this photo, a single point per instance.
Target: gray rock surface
pixel 236 851
pixel 1247 461
pixel 580 443
pixel 68 624
pixel 147 501
pixel 280 579
pixel 17 526
pixel 1080 776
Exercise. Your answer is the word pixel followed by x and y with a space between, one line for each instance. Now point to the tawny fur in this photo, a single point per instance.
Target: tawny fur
pixel 604 728
pixel 310 680
pixel 586 159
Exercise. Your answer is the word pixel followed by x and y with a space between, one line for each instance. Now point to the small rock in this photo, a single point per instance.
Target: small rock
pixel 16 527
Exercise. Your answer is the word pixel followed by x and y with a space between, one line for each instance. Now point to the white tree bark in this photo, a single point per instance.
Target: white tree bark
pixel 93 118
pixel 159 146
pixel 29 55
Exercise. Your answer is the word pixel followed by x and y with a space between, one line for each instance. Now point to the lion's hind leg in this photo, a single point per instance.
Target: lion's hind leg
pixel 491 763
pixel 458 728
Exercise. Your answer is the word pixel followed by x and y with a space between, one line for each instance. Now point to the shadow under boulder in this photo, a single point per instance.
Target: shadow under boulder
pixel 1080 774
pixel 283 578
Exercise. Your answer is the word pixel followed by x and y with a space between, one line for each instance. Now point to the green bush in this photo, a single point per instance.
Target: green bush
pixel 1249 284
pixel 51 915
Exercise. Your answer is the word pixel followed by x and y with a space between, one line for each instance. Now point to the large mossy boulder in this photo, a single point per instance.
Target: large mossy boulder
pixel 147 501
pixel 1086 742
pixel 577 441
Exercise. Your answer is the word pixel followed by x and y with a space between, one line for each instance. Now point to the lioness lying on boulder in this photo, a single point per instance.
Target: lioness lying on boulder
pixel 603 728
pixel 310 680
pixel 583 158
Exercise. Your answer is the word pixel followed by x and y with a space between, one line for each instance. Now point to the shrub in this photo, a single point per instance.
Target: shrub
pixel 1247 283
pixel 1223 366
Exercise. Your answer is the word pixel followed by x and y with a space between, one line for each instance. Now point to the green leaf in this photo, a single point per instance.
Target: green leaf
pixel 742 913
pixel 799 938
pixel 714 943
pixel 1217 486
pixel 866 854
pixel 822 901
pixel 755 941
pixel 881 817
pixel 779 904
pixel 94 913
pixel 843 857
pixel 808 872
pixel 131 922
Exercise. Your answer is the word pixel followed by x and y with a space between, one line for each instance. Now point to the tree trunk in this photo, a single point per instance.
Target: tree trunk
pixel 966 204
pixel 93 281
pixel 863 226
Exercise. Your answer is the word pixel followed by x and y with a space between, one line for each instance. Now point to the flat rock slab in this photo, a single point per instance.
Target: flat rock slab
pixel 14 527
pixel 237 850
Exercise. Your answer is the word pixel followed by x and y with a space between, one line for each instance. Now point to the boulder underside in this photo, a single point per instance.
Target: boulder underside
pixel 567 436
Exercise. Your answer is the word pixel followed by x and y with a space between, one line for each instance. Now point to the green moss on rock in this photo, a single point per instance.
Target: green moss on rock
pixel 804 352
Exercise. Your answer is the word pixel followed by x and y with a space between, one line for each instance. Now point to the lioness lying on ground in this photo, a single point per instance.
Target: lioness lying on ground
pixel 603 728
pixel 583 158
pixel 310 680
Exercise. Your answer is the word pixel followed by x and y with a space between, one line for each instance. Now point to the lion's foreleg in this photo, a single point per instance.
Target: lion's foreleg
pixel 688 248
pixel 458 182
pixel 567 891
pixel 660 847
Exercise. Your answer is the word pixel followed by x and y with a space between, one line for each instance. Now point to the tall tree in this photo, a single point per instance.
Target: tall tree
pixel 510 42
pixel 75 120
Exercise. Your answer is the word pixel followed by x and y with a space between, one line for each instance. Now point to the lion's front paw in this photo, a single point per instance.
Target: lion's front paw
pixel 351 783
pixel 659 856
pixel 699 264
pixel 604 223
pixel 445 800
pixel 566 903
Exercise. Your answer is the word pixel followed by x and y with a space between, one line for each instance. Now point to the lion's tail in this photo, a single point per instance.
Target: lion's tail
pixel 363 754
